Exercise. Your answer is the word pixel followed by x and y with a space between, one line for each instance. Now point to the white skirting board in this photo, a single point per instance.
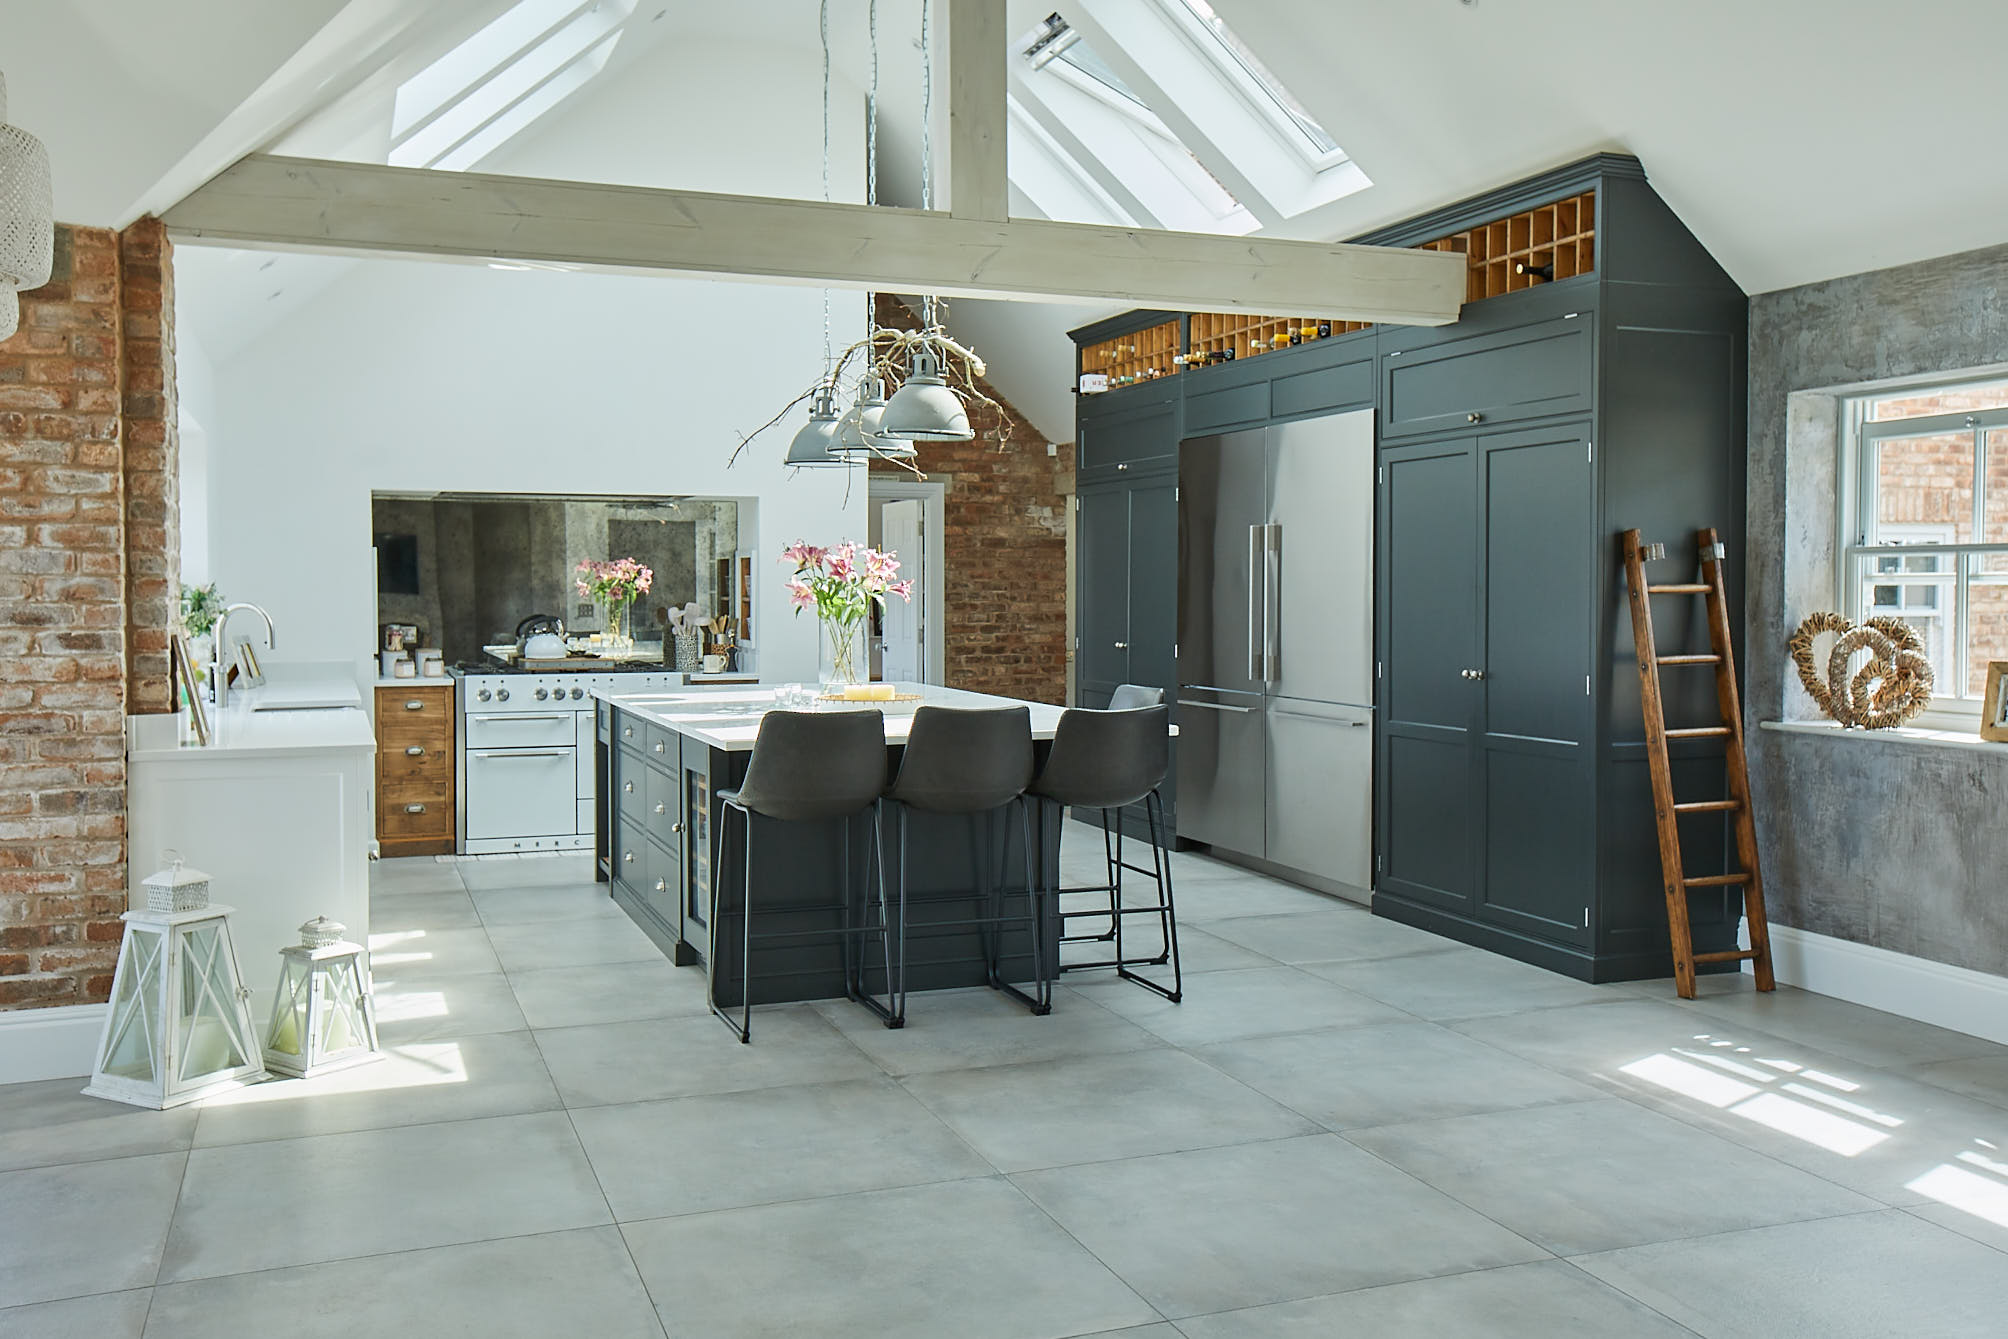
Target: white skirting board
pixel 57 1043
pixel 1930 992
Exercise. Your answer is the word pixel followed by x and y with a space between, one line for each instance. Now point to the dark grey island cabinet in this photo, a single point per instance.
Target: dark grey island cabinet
pixel 1594 382
pixel 661 768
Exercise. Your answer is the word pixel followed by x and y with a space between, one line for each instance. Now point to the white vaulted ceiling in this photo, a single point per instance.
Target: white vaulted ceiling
pixel 1798 139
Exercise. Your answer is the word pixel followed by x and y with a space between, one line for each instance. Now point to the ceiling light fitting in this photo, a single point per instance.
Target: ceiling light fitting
pixel 27 217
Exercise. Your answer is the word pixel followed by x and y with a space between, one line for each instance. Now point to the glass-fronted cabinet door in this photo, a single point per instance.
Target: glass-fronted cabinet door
pixel 697 856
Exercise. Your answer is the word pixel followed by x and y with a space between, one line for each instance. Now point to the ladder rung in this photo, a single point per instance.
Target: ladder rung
pixel 1707 806
pixel 1689 660
pixel 1734 955
pixel 1716 880
pixel 1698 732
pixel 1685 588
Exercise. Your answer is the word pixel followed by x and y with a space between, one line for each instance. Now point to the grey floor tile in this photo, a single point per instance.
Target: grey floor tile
pixel 1549 1300
pixel 1984 1077
pixel 729 1150
pixel 1464 983
pixel 105 1316
pixel 415 1083
pixel 436 1008
pixel 972 1259
pixel 413 874
pixel 526 871
pixel 1355 1077
pixel 1092 1108
pixel 539 904
pixel 571 943
pixel 379 1191
pixel 614 992
pixel 51 1122
pixel 1162 1330
pixel 450 909
pixel 1867 1035
pixel 966 1029
pixel 1869 1276
pixel 1198 951
pixel 1592 1176
pixel 89 1227
pixel 1224 1006
pixel 406 956
pixel 579 1282
pixel 613 1063
pixel 1340 934
pixel 1218 1228
pixel 1593 1040
pixel 1205 898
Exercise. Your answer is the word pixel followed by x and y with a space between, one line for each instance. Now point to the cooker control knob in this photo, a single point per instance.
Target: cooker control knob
pixel 501 694
pixel 541 694
pixel 484 695
pixel 578 693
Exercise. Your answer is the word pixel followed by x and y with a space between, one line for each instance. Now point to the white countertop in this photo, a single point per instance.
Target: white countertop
pixel 278 730
pixel 426 681
pixel 1902 734
pixel 729 719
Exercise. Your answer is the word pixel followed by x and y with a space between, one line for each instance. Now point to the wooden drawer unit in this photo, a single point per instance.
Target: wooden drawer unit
pixel 415 769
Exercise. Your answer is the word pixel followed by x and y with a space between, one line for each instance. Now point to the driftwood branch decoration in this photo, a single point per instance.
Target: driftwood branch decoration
pixel 1893 686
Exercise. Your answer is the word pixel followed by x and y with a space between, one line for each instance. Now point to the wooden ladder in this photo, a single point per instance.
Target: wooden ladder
pixel 1665 808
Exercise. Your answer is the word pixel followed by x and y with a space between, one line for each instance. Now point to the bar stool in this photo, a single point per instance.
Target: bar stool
pixel 1127 697
pixel 807 767
pixel 972 762
pixel 1107 760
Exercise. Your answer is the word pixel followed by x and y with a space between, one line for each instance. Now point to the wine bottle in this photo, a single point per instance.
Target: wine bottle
pixel 1324 330
pixel 1227 354
pixel 1529 268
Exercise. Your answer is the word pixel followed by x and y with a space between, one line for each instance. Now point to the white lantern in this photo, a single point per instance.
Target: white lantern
pixel 179 1027
pixel 176 888
pixel 323 1018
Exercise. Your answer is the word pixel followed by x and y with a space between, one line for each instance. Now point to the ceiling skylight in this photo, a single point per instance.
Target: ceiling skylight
pixel 1271 86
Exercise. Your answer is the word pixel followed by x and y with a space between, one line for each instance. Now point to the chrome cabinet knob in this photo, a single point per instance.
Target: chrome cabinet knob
pixel 661 885
pixel 676 827
pixel 1122 467
pixel 1472 673
pixel 658 746
pixel 1122 646
pixel 627 732
pixel 1474 418
pixel 415 751
pixel 629 857
pixel 628 786
pixel 662 808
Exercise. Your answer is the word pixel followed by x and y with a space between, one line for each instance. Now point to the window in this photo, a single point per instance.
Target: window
pixel 1280 100
pixel 1928 538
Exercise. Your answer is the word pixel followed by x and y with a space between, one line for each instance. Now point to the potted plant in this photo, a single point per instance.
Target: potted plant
pixel 200 608
pixel 842 585
pixel 614 587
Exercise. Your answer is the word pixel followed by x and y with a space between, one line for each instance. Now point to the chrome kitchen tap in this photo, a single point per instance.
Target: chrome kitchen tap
pixel 223 653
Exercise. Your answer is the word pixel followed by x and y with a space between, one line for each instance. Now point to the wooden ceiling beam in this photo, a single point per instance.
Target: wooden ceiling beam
pixel 364 208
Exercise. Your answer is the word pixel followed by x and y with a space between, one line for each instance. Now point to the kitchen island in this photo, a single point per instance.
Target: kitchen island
pixel 663 758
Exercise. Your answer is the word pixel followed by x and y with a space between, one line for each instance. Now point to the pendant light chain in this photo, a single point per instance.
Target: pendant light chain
pixel 871 181
pixel 926 136
pixel 825 30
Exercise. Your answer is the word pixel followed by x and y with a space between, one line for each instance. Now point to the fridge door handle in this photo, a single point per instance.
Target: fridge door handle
pixel 1217 706
pixel 1256 596
pixel 1272 595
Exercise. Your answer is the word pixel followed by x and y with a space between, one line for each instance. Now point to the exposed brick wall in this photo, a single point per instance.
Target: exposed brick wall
pixel 67 548
pixel 153 564
pixel 1006 513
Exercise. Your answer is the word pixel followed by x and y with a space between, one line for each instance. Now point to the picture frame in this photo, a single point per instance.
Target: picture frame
pixel 181 674
pixel 1994 702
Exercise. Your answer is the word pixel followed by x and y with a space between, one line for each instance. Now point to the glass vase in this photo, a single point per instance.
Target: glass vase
pixel 842 660
pixel 618 636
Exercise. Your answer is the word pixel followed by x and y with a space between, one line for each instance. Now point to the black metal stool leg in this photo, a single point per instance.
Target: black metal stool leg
pixel 1167 914
pixel 746 936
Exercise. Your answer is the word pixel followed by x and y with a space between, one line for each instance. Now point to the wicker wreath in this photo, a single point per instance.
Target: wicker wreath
pixel 1893 686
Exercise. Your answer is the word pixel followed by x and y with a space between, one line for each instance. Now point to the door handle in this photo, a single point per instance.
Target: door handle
pixel 1472 673
pixel 1122 646
pixel 523 716
pixel 1216 706
pixel 521 753
pixel 1272 594
pixel 1254 600
pixel 1312 716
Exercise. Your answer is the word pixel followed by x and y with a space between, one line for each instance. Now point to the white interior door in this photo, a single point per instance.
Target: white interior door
pixel 901 532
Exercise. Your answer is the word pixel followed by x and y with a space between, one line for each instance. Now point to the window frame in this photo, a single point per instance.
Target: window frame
pixel 1861 436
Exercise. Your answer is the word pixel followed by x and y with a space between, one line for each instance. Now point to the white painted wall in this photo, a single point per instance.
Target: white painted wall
pixel 195 404
pixel 419 376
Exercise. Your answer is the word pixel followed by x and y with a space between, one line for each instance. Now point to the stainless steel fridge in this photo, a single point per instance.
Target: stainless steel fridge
pixel 1275 646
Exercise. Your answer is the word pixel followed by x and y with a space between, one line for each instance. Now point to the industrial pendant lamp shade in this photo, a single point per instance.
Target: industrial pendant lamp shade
pixel 924 409
pixel 858 434
pixel 27 213
pixel 811 447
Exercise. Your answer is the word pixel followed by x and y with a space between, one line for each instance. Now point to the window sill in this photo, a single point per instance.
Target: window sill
pixel 1903 734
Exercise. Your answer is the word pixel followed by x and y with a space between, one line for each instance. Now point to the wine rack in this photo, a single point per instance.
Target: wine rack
pixel 1141 355
pixel 1536 246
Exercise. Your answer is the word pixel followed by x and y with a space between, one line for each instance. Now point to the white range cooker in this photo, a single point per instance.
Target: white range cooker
pixel 525 748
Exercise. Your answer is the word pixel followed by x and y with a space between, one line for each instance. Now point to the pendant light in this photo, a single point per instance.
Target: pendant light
pixel 811 447
pixel 27 217
pixel 924 408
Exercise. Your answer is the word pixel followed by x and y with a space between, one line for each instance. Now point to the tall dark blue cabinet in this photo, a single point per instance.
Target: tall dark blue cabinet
pixel 1513 806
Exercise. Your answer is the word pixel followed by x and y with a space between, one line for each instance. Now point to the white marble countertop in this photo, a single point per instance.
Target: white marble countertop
pixel 241 733
pixel 728 719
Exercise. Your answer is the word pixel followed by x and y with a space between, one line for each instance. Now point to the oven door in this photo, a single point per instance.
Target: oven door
pixel 520 793
pixel 520 730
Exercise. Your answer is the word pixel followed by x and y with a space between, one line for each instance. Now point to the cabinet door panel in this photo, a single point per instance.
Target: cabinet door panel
pixel 1430 818
pixel 1431 574
pixel 1538 852
pixel 1152 579
pixel 1529 372
pixel 1150 434
pixel 1103 607
pixel 1540 558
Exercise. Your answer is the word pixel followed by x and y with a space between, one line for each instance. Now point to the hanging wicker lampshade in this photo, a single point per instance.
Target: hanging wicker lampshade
pixel 27 216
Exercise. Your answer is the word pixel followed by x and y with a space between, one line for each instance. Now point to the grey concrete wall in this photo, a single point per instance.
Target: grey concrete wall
pixel 1882 842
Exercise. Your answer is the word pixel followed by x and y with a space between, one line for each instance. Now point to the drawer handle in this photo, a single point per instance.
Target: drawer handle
pixel 661 885
pixel 662 809
pixel 415 751
pixel 628 787
pixel 629 857
pixel 1122 467
pixel 1474 418
pixel 414 704
pixel 627 732
pixel 414 808
pixel 658 746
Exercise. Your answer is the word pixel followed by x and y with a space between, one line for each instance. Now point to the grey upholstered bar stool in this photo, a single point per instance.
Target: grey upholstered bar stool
pixel 806 767
pixel 1127 697
pixel 1109 760
pixel 973 762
